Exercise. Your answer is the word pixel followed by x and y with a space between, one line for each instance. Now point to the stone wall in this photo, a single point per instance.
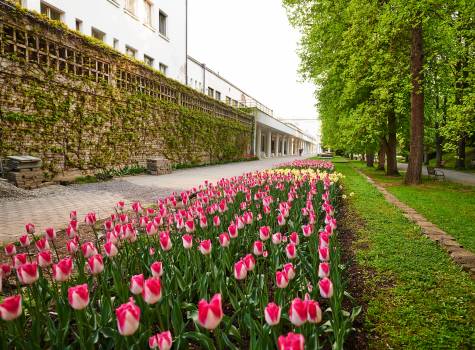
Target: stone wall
pixel 77 103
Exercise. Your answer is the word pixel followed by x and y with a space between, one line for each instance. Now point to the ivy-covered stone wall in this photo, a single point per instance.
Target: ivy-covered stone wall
pixel 78 104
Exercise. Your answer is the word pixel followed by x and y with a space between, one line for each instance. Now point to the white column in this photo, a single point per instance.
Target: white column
pixel 292 147
pixel 258 142
pixel 269 144
pixel 277 145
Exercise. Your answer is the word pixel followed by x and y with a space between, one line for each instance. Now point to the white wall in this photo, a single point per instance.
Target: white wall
pixel 109 17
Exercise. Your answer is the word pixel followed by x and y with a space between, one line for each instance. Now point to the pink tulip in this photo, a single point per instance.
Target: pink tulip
pixel 42 244
pixel 240 271
pixel 326 287
pixel 44 258
pixel 19 259
pixel 324 240
pixel 28 273
pixel 50 234
pixel 165 241
pixel 151 229
pixel 281 220
pixel 90 219
pixel 10 249
pixel 162 341
pixel 72 246
pixel 294 238
pixel 224 240
pixel 73 215
pixel 250 262
pixel 281 279
pixel 323 270
pixel 112 237
pixel 157 269
pixel 324 253
pixel 272 314
pixel 63 269
pixel 187 241
pixel 136 284
pixel 190 226
pixel 152 291
pixel 120 205
pixel 95 264
pixel 292 341
pixel 277 238
pixel 307 230
pixel 291 251
pixel 298 312
pixel 210 314
pixel 24 241
pixel 5 270
pixel 88 249
pixel 71 232
pixel 289 270
pixel 203 222
pixel 314 313
pixel 78 296
pixel 110 249
pixel 123 218
pixel 30 228
pixel 264 233
pixel 10 308
pixel 216 221
pixel 258 248
pixel 128 318
pixel 233 231
pixel 137 207
pixel 205 247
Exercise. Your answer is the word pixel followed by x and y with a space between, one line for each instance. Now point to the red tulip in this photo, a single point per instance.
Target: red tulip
pixel 10 249
pixel 128 318
pixel 50 233
pixel 294 238
pixel 10 308
pixel 88 249
pixel 258 248
pixel 24 241
pixel 205 247
pixel 292 341
pixel 233 231
pixel 281 279
pixel 161 340
pixel 28 273
pixel 298 312
pixel 151 229
pixel 203 222
pixel 324 239
pixel 314 313
pixel 307 230
pixel 323 270
pixel 42 244
pixel 165 241
pixel 240 271
pixel 272 314
pixel 30 228
pixel 291 251
pixel 73 215
pixel 289 270
pixel 44 258
pixel 224 240
pixel 187 241
pixel 19 259
pixel 250 262
pixel 190 226
pixel 152 291
pixel 326 287
pixel 90 218
pixel 123 218
pixel 120 205
pixel 264 233
pixel 157 269
pixel 5 270
pixel 210 314
pixel 136 284
pixel 324 253
pixel 63 269
pixel 110 249
pixel 137 207
pixel 216 221
pixel 95 264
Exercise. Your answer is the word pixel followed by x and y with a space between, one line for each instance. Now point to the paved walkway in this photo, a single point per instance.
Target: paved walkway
pixel 460 255
pixel 52 209
pixel 451 175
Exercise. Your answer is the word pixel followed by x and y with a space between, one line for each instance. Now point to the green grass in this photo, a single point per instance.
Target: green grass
pixel 417 297
pixel 335 159
pixel 449 159
pixel 448 205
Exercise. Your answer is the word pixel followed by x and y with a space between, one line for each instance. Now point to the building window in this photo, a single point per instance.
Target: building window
pixel 116 44
pixel 51 12
pixel 148 12
pixel 217 95
pixel 210 92
pixel 129 51
pixel 162 23
pixel 163 68
pixel 228 100
pixel 78 25
pixel 130 6
pixel 148 60
pixel 96 33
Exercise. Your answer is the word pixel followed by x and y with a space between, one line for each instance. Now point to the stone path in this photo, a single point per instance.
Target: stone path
pixel 459 254
pixel 52 207
pixel 451 175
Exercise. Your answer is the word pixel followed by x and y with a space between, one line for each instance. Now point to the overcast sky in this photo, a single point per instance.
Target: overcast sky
pixel 251 43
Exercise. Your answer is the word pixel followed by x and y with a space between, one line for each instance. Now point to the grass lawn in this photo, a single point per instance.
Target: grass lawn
pixel 449 159
pixel 446 204
pixel 417 297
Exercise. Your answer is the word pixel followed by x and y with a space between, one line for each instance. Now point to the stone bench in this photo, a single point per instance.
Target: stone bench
pixel 158 166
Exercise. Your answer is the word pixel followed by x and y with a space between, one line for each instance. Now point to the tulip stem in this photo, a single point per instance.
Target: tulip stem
pixel 81 329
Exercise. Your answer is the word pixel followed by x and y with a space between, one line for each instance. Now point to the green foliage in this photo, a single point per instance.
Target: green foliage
pixel 418 298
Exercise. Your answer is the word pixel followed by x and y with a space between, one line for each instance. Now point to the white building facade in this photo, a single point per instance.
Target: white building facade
pixel 152 31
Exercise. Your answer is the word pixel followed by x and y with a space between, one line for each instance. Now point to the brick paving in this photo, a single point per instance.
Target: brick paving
pixel 53 208
pixel 462 256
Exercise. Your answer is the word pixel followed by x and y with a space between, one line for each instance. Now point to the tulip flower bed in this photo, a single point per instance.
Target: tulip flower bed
pixel 314 164
pixel 251 262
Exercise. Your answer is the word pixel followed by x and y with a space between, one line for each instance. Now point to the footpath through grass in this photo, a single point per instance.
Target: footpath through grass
pixel 417 297
pixel 448 205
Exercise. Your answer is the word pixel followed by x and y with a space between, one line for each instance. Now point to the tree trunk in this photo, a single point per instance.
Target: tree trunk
pixel 414 168
pixel 381 156
pixel 369 159
pixel 391 145
pixel 460 161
